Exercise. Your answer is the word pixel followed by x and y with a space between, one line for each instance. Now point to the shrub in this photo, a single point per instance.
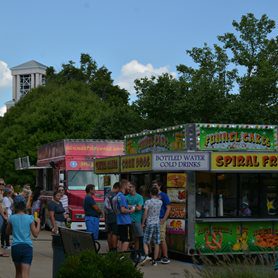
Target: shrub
pixel 91 265
pixel 260 266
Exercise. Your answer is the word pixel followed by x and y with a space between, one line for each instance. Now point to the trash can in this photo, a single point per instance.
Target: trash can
pixel 58 254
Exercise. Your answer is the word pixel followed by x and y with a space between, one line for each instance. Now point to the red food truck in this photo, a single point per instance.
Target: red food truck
pixel 70 163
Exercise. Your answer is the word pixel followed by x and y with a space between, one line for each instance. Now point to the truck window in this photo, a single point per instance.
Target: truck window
pixel 77 180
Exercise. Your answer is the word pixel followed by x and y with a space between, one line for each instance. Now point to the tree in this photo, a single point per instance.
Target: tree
pixel 159 101
pixel 257 55
pixel 208 86
pixel 234 81
pixel 66 107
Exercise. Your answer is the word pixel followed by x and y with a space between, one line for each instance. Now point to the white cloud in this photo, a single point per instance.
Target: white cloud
pixel 3 110
pixel 5 75
pixel 5 85
pixel 135 70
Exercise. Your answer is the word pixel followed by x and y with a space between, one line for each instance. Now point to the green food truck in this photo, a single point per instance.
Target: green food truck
pixel 222 181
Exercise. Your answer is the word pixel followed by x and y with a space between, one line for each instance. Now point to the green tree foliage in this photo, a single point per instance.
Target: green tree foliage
pixel 233 82
pixel 159 101
pixel 69 106
pixel 257 56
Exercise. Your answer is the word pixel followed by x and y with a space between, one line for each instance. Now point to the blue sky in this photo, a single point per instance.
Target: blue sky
pixel 131 38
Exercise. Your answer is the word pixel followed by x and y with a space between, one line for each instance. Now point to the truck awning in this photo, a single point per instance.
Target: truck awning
pixel 35 168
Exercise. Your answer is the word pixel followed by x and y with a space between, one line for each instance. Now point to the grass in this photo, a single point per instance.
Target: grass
pixel 229 266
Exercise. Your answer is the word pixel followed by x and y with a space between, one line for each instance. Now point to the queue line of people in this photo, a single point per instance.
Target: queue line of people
pixel 128 219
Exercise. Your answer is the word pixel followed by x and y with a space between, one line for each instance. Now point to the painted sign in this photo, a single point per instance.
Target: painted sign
pixel 177 211
pixel 175 226
pixel 168 139
pixel 94 148
pixel 136 163
pixel 244 161
pixel 254 237
pixel 181 161
pixel 107 165
pixel 79 164
pixel 176 179
pixel 236 138
pixel 84 149
pixel 177 195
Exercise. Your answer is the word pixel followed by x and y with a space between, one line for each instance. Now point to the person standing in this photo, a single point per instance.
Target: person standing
pixel 164 214
pixel 21 225
pixel 120 205
pixel 64 198
pixel 111 218
pixel 136 200
pixel 92 212
pixel 7 204
pixel 151 222
pixel 27 194
pixel 3 214
pixel 36 201
pixel 57 213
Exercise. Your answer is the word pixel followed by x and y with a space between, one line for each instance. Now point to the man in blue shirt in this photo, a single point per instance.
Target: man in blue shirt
pixel 164 213
pixel 123 215
pixel 92 212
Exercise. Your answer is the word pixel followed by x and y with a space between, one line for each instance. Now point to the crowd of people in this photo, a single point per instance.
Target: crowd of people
pixel 131 222
pixel 17 212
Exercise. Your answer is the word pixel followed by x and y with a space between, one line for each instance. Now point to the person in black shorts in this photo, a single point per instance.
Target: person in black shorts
pixel 111 218
pixel 123 215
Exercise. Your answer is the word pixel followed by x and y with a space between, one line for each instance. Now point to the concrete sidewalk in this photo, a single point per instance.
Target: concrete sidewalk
pixel 42 263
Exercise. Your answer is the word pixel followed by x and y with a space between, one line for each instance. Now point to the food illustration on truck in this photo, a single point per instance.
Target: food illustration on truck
pixel 176 180
pixel 175 226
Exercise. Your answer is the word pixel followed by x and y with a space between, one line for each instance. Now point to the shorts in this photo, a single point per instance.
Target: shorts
pixel 152 232
pixel 112 228
pixel 22 254
pixel 92 226
pixel 137 230
pixel 124 232
pixel 163 231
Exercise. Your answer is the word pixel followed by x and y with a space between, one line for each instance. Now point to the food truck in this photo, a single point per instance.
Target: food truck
pixel 222 181
pixel 70 163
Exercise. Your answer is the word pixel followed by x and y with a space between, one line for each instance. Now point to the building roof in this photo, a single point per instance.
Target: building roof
pixel 29 65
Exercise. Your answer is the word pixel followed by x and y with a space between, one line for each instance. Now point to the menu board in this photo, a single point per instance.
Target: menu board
pixel 176 190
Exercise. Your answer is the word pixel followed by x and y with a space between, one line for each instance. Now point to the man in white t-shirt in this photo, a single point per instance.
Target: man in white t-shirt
pixel 64 198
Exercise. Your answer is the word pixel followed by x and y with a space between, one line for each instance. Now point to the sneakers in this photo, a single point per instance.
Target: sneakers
pixel 142 258
pixel 8 247
pixel 155 262
pixel 145 260
pixel 165 260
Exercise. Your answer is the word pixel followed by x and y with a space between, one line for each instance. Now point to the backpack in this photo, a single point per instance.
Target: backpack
pixel 108 204
pixel 115 205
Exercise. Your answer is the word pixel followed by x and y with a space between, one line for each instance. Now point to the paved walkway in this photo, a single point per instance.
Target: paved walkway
pixel 42 263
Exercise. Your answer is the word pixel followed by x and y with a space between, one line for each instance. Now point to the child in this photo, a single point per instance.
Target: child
pixel 152 228
pixel 21 225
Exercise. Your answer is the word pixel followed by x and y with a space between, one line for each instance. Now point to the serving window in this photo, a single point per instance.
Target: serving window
pixel 236 195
